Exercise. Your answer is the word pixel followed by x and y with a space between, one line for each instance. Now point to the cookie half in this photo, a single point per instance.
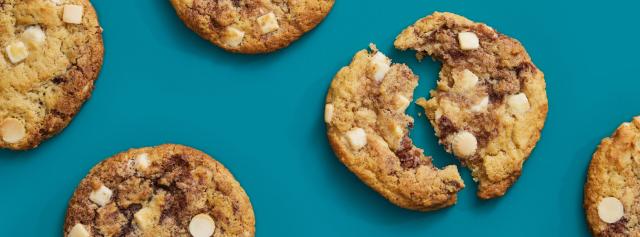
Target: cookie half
pixel 52 53
pixel 369 132
pixel 168 190
pixel 252 26
pixel 490 103
pixel 612 191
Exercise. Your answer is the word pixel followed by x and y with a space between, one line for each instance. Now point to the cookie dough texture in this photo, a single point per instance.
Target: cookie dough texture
pixel 168 190
pixel 252 26
pixel 614 175
pixel 490 103
pixel 369 132
pixel 47 67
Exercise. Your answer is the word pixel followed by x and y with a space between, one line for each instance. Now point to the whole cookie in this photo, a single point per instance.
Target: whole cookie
pixel 252 26
pixel 369 132
pixel 168 190
pixel 612 191
pixel 490 104
pixel 51 54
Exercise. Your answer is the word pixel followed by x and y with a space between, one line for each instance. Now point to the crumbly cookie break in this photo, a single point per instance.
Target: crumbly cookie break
pixel 168 190
pixel 369 132
pixel 612 190
pixel 52 53
pixel 490 103
pixel 252 26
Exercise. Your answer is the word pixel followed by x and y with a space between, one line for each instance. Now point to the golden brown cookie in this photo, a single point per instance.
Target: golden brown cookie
pixel 369 132
pixel 490 104
pixel 168 190
pixel 52 53
pixel 612 191
pixel 252 26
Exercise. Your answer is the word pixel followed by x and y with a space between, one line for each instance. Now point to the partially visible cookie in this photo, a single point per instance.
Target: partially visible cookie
pixel 252 26
pixel 51 54
pixel 168 190
pixel 612 190
pixel 369 132
pixel 490 104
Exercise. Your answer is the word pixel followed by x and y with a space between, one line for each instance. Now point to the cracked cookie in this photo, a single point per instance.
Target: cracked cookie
pixel 490 103
pixel 252 26
pixel 369 132
pixel 168 190
pixel 612 190
pixel 52 53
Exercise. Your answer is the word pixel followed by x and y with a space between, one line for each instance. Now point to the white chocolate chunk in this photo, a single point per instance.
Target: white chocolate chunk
pixel 79 230
pixel 468 41
pixel 233 36
pixel 518 103
pixel 12 130
pixel 101 196
pixel 610 210
pixel 268 23
pixel 464 144
pixel 202 225
pixel 401 102
pixel 381 65
pixel 142 161
pixel 481 106
pixel 146 218
pixel 17 52
pixel 34 35
pixel 357 138
pixel 72 14
pixel 467 81
pixel 56 2
pixel 328 113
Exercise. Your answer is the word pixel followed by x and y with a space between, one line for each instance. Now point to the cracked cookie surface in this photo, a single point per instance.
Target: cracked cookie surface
pixel 252 26
pixel 612 190
pixel 52 52
pixel 168 190
pixel 369 132
pixel 490 103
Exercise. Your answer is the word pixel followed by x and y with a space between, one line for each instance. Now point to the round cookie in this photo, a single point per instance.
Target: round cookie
pixel 490 103
pixel 369 132
pixel 52 53
pixel 612 190
pixel 252 26
pixel 168 190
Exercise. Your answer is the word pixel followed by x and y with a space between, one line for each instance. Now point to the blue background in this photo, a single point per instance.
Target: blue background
pixel 262 116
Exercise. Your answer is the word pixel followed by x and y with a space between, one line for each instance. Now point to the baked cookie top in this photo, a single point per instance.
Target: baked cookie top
pixel 252 26
pixel 168 190
pixel 490 103
pixel 369 132
pixel 612 191
pixel 51 54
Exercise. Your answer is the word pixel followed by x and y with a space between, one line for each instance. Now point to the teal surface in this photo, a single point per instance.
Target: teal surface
pixel 262 117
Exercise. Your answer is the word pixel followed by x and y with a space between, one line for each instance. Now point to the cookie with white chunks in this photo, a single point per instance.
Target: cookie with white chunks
pixel 52 53
pixel 369 132
pixel 612 190
pixel 490 103
pixel 168 190
pixel 252 26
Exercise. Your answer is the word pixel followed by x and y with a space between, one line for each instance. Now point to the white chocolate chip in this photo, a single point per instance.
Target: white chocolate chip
pixel 101 196
pixel 464 144
pixel 610 210
pixel 12 130
pixel 401 102
pixel 78 230
pixel 17 52
pixel 357 138
pixel 328 113
pixel 146 218
pixel 56 2
pixel 34 35
pixel 268 23
pixel 467 81
pixel 518 103
pixel 142 161
pixel 233 36
pixel 381 65
pixel 202 225
pixel 481 106
pixel 468 40
pixel 72 14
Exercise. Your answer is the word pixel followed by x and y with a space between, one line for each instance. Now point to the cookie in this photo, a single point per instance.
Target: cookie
pixel 252 26
pixel 369 131
pixel 168 190
pixel 52 53
pixel 490 103
pixel 612 190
